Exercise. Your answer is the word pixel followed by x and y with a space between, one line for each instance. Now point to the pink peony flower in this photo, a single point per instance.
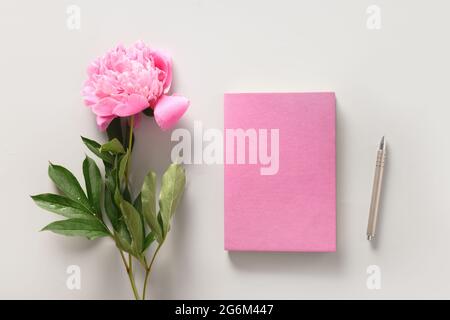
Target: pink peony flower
pixel 125 81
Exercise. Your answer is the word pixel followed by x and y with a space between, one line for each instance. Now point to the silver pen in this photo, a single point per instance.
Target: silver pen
pixel 376 190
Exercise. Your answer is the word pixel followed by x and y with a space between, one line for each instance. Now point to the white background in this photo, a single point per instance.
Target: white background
pixel 393 81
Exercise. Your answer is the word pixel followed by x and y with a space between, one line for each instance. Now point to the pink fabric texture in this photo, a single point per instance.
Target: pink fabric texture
pixel 126 81
pixel 294 209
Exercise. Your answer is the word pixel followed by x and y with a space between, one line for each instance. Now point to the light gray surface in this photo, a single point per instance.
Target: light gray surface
pixel 392 81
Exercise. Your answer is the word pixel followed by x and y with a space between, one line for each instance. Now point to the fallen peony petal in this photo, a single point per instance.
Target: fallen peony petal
pixel 169 109
pixel 135 104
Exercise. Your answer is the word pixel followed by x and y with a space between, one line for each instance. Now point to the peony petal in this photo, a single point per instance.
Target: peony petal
pixel 169 109
pixel 104 107
pixel 88 93
pixel 103 122
pixel 135 104
pixel 90 100
pixel 164 62
pixel 125 81
pixel 92 69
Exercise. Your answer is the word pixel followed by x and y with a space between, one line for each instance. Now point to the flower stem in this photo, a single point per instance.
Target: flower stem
pixel 129 269
pixel 130 141
pixel 130 260
pixel 130 138
pixel 148 270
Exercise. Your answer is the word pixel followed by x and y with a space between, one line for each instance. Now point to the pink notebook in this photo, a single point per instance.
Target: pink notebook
pixel 280 172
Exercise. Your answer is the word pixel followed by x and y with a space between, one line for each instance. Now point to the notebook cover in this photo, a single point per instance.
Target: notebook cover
pixel 293 209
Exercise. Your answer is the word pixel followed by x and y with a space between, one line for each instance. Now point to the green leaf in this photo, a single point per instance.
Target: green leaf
pixel 117 197
pixel 137 204
pixel 123 240
pixel 68 184
pixel 114 130
pixel 60 205
pixel 110 180
pixel 148 199
pixel 126 194
pixel 94 184
pixel 134 225
pixel 113 146
pixel 148 241
pixel 112 211
pixel 111 206
pixel 91 228
pixel 172 187
pixel 123 165
pixel 95 148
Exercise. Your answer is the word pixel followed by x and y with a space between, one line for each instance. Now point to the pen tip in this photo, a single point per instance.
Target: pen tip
pixel 382 143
